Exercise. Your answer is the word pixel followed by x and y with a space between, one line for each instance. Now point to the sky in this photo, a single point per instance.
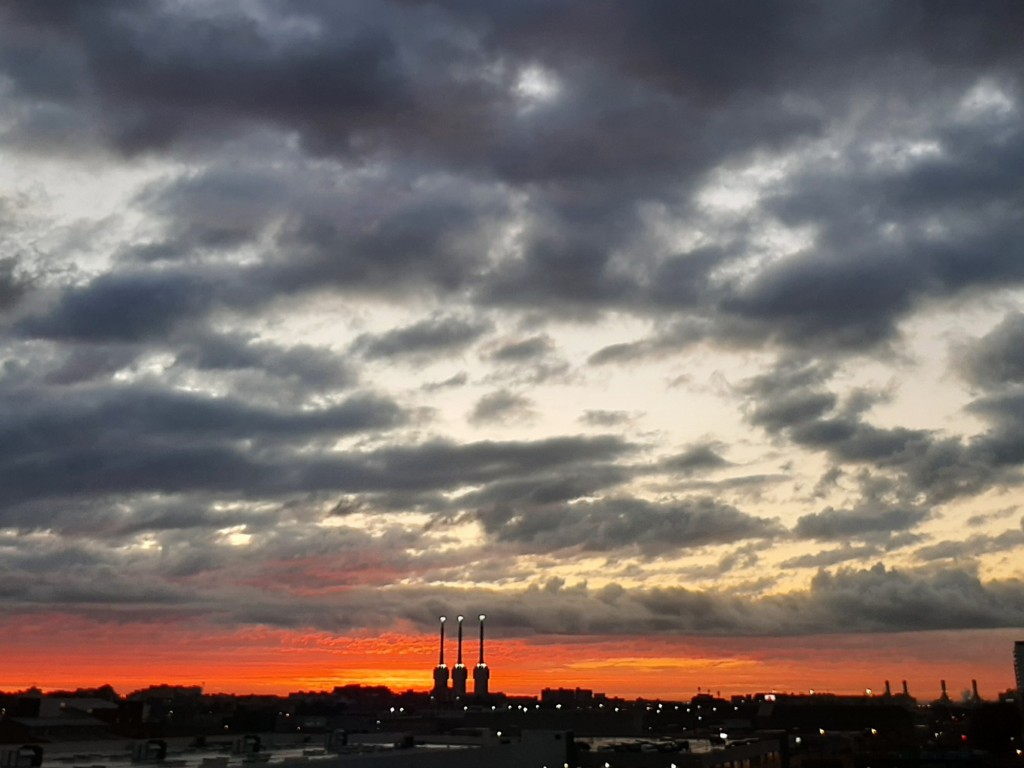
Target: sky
pixel 684 340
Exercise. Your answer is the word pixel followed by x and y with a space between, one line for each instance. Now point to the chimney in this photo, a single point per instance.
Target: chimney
pixel 440 660
pixel 482 617
pixel 441 670
pixel 974 691
pixel 888 690
pixel 906 690
pixel 481 674
pixel 459 673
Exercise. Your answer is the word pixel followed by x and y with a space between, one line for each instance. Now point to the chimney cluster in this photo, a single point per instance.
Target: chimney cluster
pixel 459 674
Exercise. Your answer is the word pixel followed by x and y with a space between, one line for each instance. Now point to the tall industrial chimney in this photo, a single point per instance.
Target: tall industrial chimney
pixel 441 670
pixel 481 674
pixel 906 690
pixel 945 695
pixel 974 692
pixel 459 672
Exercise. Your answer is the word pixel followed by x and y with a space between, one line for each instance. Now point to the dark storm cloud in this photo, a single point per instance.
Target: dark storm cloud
pixel 848 600
pixel 12 285
pixel 433 336
pixel 523 350
pixel 139 412
pixel 650 99
pixel 972 547
pixel 658 530
pixel 163 76
pixel 501 406
pixel 528 362
pixel 190 444
pixel 697 458
pixel 130 439
pixel 452 382
pixel 313 367
pixel 853 294
pixel 128 307
pixel 546 488
pixel 442 464
pixel 792 400
pixel 623 352
pixel 89 362
pixel 219 208
pixel 433 237
pixel 998 357
pixel 319 224
pixel 606 418
pixel 1004 443
pixel 827 557
pixel 858 524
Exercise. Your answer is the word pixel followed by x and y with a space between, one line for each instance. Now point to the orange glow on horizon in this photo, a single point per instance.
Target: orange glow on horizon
pixel 52 651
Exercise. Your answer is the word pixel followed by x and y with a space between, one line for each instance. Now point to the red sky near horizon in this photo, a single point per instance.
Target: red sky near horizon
pixel 263 660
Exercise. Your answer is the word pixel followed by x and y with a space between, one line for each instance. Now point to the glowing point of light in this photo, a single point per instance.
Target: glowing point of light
pixel 482 616
pixel 460 617
pixel 444 619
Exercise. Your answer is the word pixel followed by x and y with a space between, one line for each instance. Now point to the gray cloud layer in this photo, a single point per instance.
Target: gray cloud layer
pixel 487 175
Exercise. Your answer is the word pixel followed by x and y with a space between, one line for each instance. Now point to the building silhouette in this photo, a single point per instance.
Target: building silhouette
pixel 1018 666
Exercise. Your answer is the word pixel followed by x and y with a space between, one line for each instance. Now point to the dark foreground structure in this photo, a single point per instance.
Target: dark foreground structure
pixel 354 725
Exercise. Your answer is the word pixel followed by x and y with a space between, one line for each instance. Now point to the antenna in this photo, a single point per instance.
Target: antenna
pixel 482 617
pixel 460 618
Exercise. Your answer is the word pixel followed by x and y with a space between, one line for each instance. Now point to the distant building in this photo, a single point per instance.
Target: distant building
pixel 1018 666
pixel 567 697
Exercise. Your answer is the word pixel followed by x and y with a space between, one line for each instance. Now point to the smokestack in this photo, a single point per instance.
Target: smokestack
pixel 888 690
pixel 945 696
pixel 440 660
pixel 974 691
pixel 481 674
pixel 906 690
pixel 441 671
pixel 459 672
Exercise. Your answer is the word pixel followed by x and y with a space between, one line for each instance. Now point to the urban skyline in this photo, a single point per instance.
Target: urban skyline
pixel 424 676
pixel 684 340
